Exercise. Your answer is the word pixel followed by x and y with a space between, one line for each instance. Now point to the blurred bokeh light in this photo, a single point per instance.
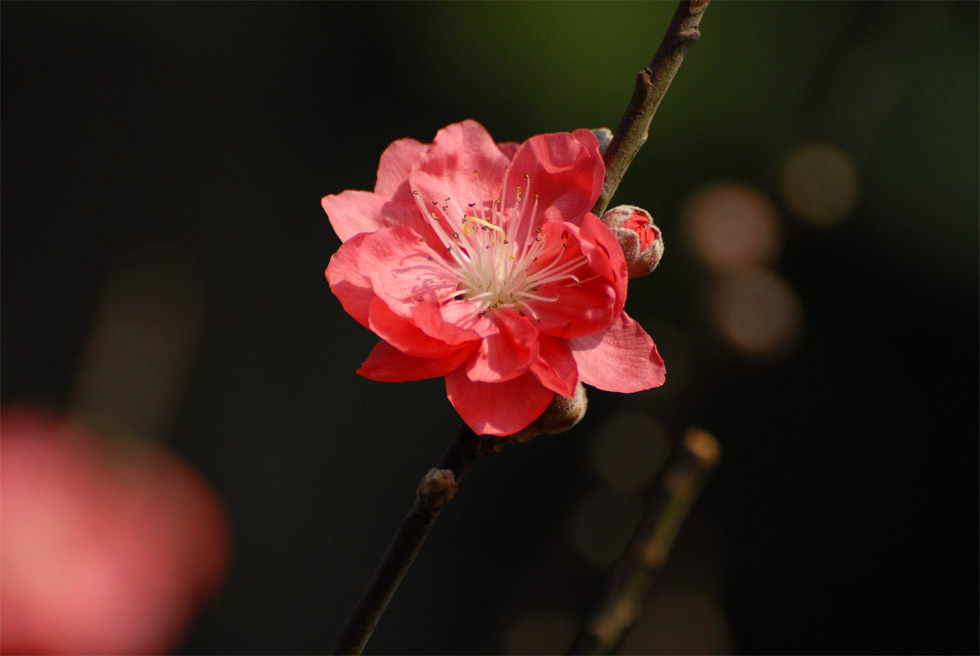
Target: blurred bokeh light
pixel 820 183
pixel 732 226
pixel 757 312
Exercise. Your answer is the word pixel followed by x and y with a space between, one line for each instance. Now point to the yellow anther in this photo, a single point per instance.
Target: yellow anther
pixel 472 219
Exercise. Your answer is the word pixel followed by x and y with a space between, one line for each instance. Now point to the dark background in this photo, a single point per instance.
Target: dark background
pixel 844 515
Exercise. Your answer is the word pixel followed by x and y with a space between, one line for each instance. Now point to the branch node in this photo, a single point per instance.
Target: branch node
pixel 435 489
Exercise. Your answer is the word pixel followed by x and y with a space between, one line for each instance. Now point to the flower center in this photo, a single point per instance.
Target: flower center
pixel 493 266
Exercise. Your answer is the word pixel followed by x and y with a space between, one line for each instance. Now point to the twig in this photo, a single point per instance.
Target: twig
pixel 439 485
pixel 674 492
pixel 651 85
pixel 436 488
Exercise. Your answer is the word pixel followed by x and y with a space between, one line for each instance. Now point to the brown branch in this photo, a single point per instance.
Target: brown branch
pixel 436 488
pixel 674 492
pixel 651 86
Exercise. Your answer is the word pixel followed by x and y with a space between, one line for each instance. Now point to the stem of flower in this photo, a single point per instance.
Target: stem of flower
pixel 674 492
pixel 436 488
pixel 651 86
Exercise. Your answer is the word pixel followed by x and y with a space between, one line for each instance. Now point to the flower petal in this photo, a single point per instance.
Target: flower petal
pixel 353 212
pixel 403 334
pixel 402 268
pixel 588 306
pixel 621 358
pixel 509 148
pixel 467 316
pixel 428 317
pixel 447 168
pixel 394 167
pixel 348 284
pixel 555 366
pixel 506 355
pixel 591 143
pixel 565 175
pixel 497 408
pixel 387 364
pixel 598 232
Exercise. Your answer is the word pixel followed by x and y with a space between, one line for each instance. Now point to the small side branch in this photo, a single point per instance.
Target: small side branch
pixel 651 86
pixel 675 490
pixel 436 488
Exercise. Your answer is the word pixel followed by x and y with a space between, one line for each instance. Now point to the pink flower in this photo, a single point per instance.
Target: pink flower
pixel 104 551
pixel 481 262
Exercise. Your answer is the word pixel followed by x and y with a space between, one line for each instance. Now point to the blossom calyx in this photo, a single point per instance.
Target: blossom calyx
pixel 640 238
pixel 563 413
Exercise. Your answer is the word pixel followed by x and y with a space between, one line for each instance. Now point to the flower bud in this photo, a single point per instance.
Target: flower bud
pixel 638 236
pixel 604 135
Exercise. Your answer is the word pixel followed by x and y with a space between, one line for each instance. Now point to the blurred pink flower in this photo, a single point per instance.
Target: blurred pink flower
pixel 102 551
pixel 481 262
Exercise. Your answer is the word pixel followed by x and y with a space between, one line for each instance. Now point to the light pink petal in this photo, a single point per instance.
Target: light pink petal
pixel 353 212
pixel 446 170
pixel 387 364
pixel 349 285
pixel 428 317
pixel 497 408
pixel 555 366
pixel 507 354
pixel 565 176
pixel 621 358
pixel 403 334
pixel 402 268
pixel 394 167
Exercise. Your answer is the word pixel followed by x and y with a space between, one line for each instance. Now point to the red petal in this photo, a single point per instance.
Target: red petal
pixel 582 309
pixel 497 408
pixel 465 315
pixel 621 358
pixel 507 354
pixel 428 317
pixel 509 148
pixel 389 365
pixel 591 143
pixel 595 230
pixel 579 311
pixel 347 283
pixel 563 175
pixel 405 335
pixel 394 167
pixel 402 268
pixel 555 367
